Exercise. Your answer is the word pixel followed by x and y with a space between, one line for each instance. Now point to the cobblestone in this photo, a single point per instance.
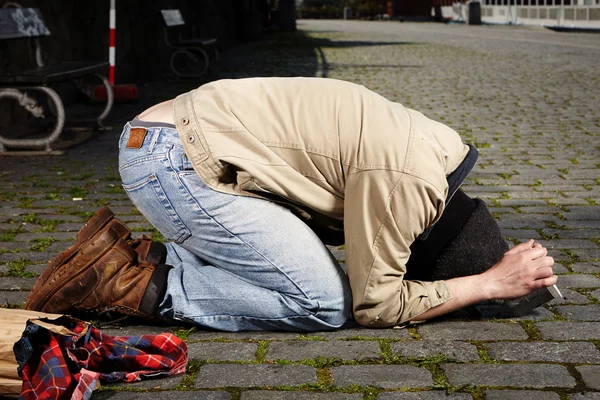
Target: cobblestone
pixel 384 376
pixel 527 98
pixel 235 375
pixel 363 333
pixel 35 256
pixel 472 331
pixel 520 394
pixel 568 352
pixel 580 313
pixel 585 396
pixel 453 350
pixel 174 395
pixel 28 237
pixel 569 330
pixel 579 281
pixel 222 351
pixel 343 350
pixel 586 268
pixel 271 395
pixel 590 375
pixel 513 375
pixel 423 396
pixel 10 283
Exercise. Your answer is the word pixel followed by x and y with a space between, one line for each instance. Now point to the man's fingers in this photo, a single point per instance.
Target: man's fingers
pixel 521 247
pixel 543 272
pixel 545 282
pixel 535 253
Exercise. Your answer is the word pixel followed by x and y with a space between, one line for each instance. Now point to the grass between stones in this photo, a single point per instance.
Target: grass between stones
pixel 531 330
pixel 16 269
pixel 47 225
pixel 42 244
pixel 8 235
pixel 261 350
pixel 483 352
pixel 184 334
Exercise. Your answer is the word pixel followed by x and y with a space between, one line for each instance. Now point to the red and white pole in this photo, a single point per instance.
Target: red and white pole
pixel 121 92
pixel 111 42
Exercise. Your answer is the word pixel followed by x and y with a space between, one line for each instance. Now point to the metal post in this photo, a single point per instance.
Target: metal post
pixel 111 41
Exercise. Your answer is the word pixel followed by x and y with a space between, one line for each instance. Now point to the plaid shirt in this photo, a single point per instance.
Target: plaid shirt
pixel 57 366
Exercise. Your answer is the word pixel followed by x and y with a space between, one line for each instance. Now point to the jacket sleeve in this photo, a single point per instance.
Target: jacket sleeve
pixel 384 213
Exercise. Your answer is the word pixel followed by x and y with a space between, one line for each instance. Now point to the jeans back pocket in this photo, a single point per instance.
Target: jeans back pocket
pixel 151 199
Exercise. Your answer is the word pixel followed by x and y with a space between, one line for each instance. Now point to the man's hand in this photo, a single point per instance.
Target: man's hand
pixel 523 269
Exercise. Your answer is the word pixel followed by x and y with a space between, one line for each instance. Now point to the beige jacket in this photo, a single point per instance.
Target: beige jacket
pixel 344 155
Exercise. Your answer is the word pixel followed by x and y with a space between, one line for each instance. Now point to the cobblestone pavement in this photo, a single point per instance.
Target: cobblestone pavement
pixel 527 97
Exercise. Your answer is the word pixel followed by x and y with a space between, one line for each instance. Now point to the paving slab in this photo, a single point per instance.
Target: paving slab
pixel 363 333
pixel 12 283
pixel 472 331
pixel 238 375
pixel 166 395
pixel 580 313
pixel 569 330
pixel 585 396
pixel 343 350
pixel 432 395
pixel 35 256
pixel 222 351
pixel 383 376
pixel 297 395
pixel 453 350
pixel 579 281
pixel 586 267
pixel 510 375
pixel 590 375
pixel 563 352
pixel 520 395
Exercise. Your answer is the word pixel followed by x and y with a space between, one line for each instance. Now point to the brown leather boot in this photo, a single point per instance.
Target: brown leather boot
pixel 104 271
pixel 102 220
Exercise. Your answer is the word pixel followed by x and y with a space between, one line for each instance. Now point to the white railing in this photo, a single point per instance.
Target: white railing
pixel 583 14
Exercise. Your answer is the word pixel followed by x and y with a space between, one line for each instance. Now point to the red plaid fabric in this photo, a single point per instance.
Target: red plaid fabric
pixel 57 366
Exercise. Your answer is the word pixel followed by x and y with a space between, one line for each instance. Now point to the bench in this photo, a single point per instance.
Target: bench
pixel 191 56
pixel 26 24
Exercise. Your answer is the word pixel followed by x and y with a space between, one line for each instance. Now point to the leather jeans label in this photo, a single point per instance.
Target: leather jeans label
pixel 136 138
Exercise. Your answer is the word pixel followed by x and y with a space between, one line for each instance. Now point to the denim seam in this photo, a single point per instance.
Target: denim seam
pixel 242 317
pixel 140 160
pixel 164 201
pixel 173 214
pixel 248 245
pixel 155 136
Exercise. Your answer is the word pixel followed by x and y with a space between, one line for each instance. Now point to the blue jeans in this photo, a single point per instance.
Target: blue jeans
pixel 239 263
